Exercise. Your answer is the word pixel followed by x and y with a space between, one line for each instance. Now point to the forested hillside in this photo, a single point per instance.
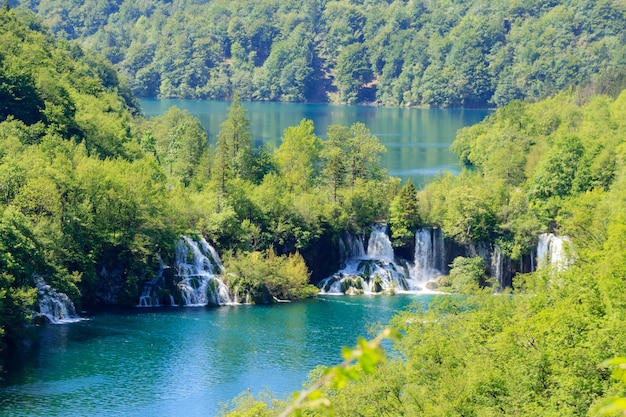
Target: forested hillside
pixel 435 53
pixel 93 197
pixel 558 166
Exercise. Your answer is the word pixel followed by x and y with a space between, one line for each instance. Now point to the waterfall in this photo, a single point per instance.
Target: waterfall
pixel 429 255
pixel 194 280
pixel 150 294
pixel 55 306
pixel 501 268
pixel 378 271
pixel 198 266
pixel 379 245
pixel 350 247
pixel 552 252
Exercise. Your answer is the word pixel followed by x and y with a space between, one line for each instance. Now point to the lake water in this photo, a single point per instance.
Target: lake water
pixel 183 361
pixel 417 140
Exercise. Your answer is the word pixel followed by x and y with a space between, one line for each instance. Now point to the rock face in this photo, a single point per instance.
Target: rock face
pixel 109 286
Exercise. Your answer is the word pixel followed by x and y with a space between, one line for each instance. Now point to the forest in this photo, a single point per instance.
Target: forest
pixel 440 53
pixel 92 194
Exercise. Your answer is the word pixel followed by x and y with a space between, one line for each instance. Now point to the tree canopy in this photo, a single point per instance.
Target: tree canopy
pixel 437 53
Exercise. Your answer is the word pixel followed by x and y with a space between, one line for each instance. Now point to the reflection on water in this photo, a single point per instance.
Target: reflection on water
pixel 417 140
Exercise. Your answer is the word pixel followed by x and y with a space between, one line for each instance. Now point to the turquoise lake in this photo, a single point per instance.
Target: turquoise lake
pixel 417 140
pixel 183 361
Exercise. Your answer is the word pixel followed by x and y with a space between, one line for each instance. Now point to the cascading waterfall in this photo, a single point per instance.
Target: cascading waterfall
pixel 500 268
pixel 198 266
pixel 55 307
pixel 552 252
pixel 150 294
pixel 350 247
pixel 429 255
pixel 194 279
pixel 378 271
pixel 379 245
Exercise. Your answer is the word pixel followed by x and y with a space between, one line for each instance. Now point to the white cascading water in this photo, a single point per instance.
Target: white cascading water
pixel 150 294
pixel 377 271
pixel 55 306
pixel 552 252
pixel 350 248
pixel 500 268
pixel 379 245
pixel 197 270
pixel 429 255
pixel 198 267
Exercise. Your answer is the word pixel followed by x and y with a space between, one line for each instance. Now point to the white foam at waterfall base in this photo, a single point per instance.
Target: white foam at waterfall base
pixel 55 306
pixel 377 271
pixel 198 268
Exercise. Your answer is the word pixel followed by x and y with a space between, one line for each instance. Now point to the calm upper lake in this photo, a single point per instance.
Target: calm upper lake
pixel 183 361
pixel 417 140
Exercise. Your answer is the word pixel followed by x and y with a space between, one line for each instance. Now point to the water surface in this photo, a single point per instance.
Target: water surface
pixel 417 140
pixel 183 360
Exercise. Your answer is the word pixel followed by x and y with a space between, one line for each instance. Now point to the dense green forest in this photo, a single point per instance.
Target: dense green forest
pixel 557 165
pixel 94 197
pixel 418 52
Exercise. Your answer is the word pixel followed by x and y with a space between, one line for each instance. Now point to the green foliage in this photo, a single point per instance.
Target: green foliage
pixel 465 207
pixel 89 197
pixel 298 156
pixel 467 275
pixel 612 406
pixel 362 360
pixel 404 215
pixel 437 53
pixel 535 352
pixel 265 277
pixel 234 145
pixel 178 141
pixel 351 154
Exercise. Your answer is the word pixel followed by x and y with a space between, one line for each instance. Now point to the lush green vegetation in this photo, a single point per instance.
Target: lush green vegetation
pixel 437 53
pixel 93 196
pixel 558 165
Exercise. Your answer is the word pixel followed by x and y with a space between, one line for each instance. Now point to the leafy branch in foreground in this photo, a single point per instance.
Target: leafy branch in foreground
pixel 365 357
pixel 611 406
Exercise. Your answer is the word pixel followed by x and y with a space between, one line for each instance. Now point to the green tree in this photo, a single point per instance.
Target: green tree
pixel 555 177
pixel 334 157
pixel 363 152
pixel 352 72
pixel 298 156
pixel 234 145
pixel 404 215
pixel 467 274
pixel 179 142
